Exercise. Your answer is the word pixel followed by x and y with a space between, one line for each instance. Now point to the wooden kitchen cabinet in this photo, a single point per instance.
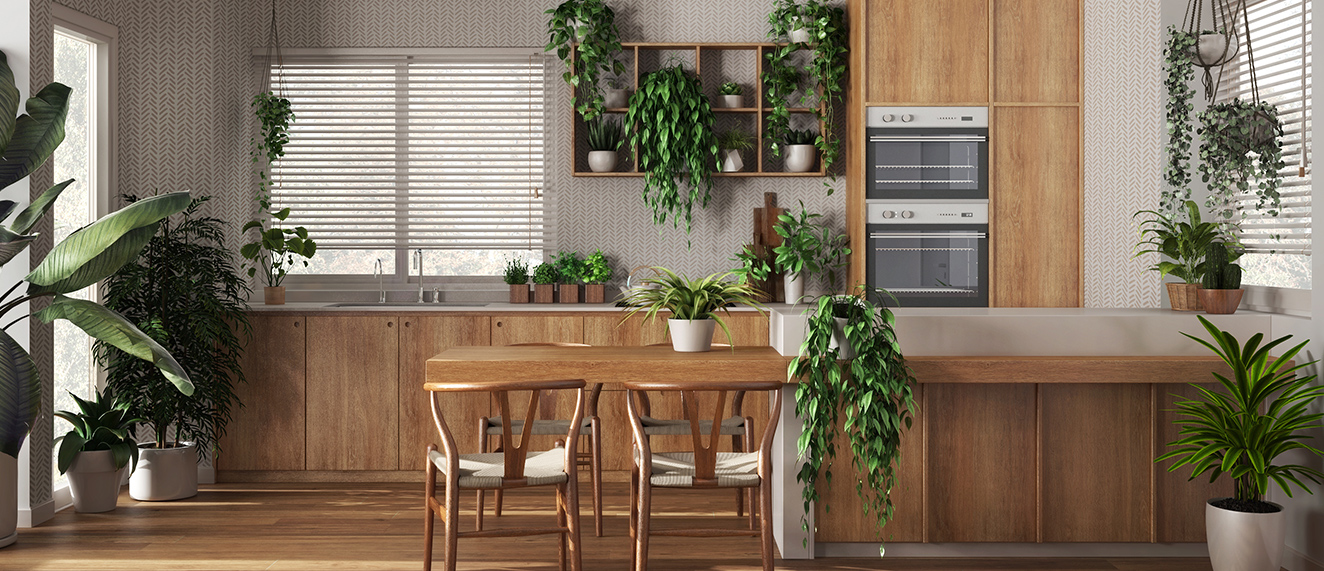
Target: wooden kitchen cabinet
pixel 1037 51
pixel 422 337
pixel 927 52
pixel 1035 207
pixel 267 432
pixel 1179 502
pixel 513 329
pixel 353 410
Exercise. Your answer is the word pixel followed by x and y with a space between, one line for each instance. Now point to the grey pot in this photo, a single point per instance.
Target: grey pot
pixel 800 158
pixel 1240 541
pixel 94 481
pixel 602 161
pixel 615 98
pixel 165 474
pixel 733 101
pixel 692 335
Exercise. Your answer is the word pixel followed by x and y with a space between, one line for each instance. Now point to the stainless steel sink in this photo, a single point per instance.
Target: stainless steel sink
pixel 423 305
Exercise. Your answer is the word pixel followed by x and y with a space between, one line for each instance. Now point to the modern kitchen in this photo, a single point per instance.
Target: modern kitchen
pixel 596 284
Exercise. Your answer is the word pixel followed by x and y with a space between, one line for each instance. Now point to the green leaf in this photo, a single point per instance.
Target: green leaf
pixel 104 265
pixel 109 327
pixel 36 134
pixel 70 445
pixel 27 219
pixel 20 394
pixel 9 98
pixel 11 244
pixel 88 244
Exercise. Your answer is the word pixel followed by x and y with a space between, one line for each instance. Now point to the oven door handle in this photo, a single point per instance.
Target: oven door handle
pixel 903 235
pixel 927 139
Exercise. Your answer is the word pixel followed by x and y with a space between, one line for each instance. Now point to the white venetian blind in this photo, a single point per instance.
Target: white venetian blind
pixel 1280 33
pixel 396 152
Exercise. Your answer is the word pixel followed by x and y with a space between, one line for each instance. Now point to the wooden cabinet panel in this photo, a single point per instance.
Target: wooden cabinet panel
pixel 512 329
pixel 267 432
pixel 1095 462
pixel 1036 207
pixel 1036 50
pixel 747 330
pixel 421 337
pixel 609 330
pixel 981 457
pixel 847 522
pixel 353 404
pixel 1178 501
pixel 927 51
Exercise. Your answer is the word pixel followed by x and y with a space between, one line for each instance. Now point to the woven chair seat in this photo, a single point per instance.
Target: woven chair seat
pixel 676 469
pixel 667 427
pixel 489 470
pixel 540 427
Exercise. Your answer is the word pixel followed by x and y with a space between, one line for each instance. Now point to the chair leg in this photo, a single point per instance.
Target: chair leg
pixel 765 522
pixel 737 446
pixel 595 469
pixel 560 522
pixel 452 523
pixel 572 517
pixel 634 514
pixel 496 509
pixel 749 492
pixel 482 494
pixel 429 488
pixel 645 509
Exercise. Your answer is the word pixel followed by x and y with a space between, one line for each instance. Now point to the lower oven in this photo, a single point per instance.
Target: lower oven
pixel 929 253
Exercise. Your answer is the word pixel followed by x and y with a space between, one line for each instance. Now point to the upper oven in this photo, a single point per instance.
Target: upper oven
pixel 927 153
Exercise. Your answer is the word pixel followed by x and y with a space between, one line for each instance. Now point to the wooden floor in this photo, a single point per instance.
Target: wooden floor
pixel 379 526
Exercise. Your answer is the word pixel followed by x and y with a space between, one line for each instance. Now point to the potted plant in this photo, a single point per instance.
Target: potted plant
pixel 821 28
pixel 185 291
pixel 569 270
pixel 616 95
pixel 788 19
pixel 1241 152
pixel 1215 48
pixel 26 143
pixel 800 150
pixel 732 95
pixel 1178 71
pixel 1260 414
pixel 544 283
pixel 731 143
pixel 1185 243
pixel 675 156
pixel 1221 286
pixel 877 384
pixel 596 273
pixel 693 305
pixel 96 451
pixel 517 276
pixel 275 249
pixel 604 138
pixel 808 248
pixel 588 28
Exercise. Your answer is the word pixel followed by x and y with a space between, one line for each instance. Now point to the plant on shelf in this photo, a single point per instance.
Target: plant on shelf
pixel 617 94
pixel 800 150
pixel 588 29
pixel 694 305
pixel 874 390
pixel 88 256
pixel 1184 243
pixel 517 277
pixel 275 249
pixel 670 123
pixel 828 38
pixel 732 95
pixel 95 451
pixel 730 144
pixel 1178 71
pixel 544 282
pixel 1262 412
pixel 604 138
pixel 1241 153
pixel 569 269
pixel 731 88
pixel 1220 290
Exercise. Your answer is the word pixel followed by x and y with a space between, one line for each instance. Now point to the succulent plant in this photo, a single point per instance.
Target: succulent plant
pixel 731 88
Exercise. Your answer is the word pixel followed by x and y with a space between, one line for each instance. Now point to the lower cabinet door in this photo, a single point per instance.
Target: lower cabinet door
pixel 422 337
pixel 267 432
pixel 352 393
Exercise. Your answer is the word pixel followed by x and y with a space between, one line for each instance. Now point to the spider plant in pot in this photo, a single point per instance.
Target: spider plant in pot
pixel 517 277
pixel 596 272
pixel 731 143
pixel 1220 290
pixel 733 96
pixel 1261 412
pixel 1184 243
pixel 544 283
pixel 569 270
pixel 97 450
pixel 604 139
pixel 799 150
pixel 693 304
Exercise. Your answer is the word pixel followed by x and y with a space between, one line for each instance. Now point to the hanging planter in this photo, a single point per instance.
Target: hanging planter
pixel 1214 47
pixel 588 28
pixel 1241 153
pixel 1178 71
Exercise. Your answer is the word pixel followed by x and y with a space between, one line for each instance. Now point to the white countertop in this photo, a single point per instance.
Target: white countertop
pixel 330 308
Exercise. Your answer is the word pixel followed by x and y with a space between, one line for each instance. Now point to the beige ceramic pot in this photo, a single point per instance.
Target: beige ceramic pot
pixel 692 335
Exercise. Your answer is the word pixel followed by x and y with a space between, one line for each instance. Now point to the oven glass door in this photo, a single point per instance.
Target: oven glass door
pixel 928 163
pixel 930 265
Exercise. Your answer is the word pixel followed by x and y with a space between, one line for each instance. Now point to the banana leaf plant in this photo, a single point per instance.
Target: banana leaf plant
pixel 89 255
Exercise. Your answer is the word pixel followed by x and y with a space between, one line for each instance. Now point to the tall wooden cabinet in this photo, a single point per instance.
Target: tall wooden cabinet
pixel 927 52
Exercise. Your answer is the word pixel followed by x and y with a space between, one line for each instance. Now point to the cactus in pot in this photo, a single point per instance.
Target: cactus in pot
pixel 1222 280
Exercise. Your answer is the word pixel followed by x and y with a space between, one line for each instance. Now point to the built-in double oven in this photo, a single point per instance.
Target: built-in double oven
pixel 927 201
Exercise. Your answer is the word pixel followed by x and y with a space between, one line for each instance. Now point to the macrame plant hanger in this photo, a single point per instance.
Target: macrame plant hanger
pixel 1208 54
pixel 273 49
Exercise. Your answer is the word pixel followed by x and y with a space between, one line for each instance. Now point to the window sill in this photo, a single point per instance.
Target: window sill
pixel 1277 300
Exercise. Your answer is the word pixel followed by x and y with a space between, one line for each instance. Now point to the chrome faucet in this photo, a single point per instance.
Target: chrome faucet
pixel 380 274
pixel 418 264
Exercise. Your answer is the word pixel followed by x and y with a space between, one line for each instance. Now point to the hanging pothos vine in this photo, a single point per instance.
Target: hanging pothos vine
pixel 589 28
pixel 874 390
pixel 1178 70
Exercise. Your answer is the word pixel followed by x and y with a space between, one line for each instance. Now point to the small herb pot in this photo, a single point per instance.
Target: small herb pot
pixel 544 293
pixel 733 101
pixel 800 158
pixel 595 293
pixel 519 293
pixel 1221 301
pixel 602 161
pixel 1184 297
pixel 569 293
pixel 615 98
pixel 273 295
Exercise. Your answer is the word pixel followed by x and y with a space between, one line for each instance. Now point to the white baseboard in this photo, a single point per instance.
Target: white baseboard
pixel 1294 560
pixel 1017 550
pixel 36 515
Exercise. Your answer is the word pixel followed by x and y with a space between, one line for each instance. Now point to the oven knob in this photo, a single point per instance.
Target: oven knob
pixel 907 214
pixel 907 117
pixel 888 118
pixel 889 214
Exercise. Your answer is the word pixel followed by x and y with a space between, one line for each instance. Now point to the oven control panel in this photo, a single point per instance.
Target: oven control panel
pixel 927 117
pixel 927 212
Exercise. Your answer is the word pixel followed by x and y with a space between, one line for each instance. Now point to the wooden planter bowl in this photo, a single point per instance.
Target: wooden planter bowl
pixel 1184 297
pixel 519 293
pixel 1221 301
pixel 595 293
pixel 544 293
pixel 273 295
pixel 569 293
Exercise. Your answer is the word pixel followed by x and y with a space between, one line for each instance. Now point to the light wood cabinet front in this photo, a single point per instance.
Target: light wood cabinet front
pixel 353 407
pixel 1037 51
pixel 267 432
pixel 422 337
pixel 927 52
pixel 1179 502
pixel 513 329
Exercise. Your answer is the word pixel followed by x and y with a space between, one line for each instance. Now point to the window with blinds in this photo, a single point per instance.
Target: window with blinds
pixel 392 154
pixel 1278 248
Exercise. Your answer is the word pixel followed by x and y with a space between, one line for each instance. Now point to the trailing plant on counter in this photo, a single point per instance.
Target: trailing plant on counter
pixel 596 269
pixel 689 299
pixel 1184 242
pixel 103 423
pixel 588 28
pixel 517 272
pixel 1241 153
pixel 874 390
pixel 545 274
pixel 670 122
pixel 1178 71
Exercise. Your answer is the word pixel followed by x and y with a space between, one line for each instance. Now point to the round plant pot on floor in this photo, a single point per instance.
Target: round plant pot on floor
pixel 165 473
pixel 793 284
pixel 94 481
pixel 8 500
pixel 1242 541
pixel 602 161
pixel 800 158
pixel 692 335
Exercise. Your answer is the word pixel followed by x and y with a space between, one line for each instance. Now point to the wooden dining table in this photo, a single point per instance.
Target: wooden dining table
pixel 606 365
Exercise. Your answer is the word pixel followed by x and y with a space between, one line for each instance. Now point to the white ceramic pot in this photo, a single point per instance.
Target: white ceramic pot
pixel 798 36
pixel 8 500
pixel 800 158
pixel 692 335
pixel 733 101
pixel 793 284
pixel 94 481
pixel 839 339
pixel 1213 49
pixel 602 161
pixel 615 98
pixel 731 161
pixel 165 473
pixel 1240 541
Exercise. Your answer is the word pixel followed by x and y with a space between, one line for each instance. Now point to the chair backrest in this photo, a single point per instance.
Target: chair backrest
pixel 515 454
pixel 646 404
pixel 705 453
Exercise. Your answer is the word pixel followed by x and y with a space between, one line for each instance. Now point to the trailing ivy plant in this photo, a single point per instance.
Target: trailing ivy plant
pixel 670 121
pixel 874 390
pixel 275 249
pixel 781 79
pixel 1178 71
pixel 588 27
pixel 274 115
pixel 1241 153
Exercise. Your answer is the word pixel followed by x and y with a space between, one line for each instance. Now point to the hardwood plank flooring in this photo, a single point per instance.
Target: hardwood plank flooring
pixel 378 526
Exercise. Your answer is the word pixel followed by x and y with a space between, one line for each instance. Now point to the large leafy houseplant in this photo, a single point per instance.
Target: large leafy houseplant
pixel 586 28
pixel 1241 153
pixel 84 258
pixel 670 122
pixel 186 291
pixel 1184 243
pixel 1178 71
pixel 874 390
